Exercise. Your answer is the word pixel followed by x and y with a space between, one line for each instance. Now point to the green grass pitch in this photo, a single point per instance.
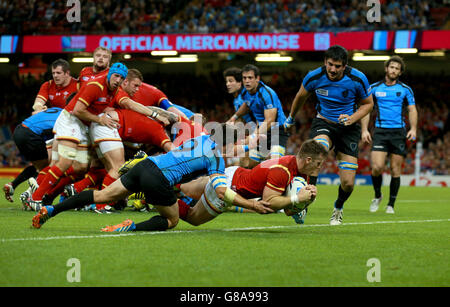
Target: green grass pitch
pixel 410 248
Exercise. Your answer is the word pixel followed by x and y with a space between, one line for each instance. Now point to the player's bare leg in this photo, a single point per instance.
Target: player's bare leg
pixel 198 214
pixel 195 188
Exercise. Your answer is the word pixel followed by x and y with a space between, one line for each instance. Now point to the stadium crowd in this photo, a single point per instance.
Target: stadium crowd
pixel 17 94
pixel 213 16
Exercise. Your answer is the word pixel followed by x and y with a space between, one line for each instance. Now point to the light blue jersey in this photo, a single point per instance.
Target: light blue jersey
pixel 42 123
pixel 196 157
pixel 337 97
pixel 237 102
pixel 390 102
pixel 265 98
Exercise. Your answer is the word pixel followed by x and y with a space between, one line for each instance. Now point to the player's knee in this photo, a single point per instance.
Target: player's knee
pixel 80 169
pixel 377 169
pixel 100 196
pixel 173 221
pixel 347 184
pixel 64 164
pixel 395 171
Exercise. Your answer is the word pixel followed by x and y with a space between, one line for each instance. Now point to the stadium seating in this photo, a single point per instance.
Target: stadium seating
pixel 211 16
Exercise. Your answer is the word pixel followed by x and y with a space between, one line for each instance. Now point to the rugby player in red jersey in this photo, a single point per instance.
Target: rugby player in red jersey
pixel 102 59
pixel 133 89
pixel 268 180
pixel 71 133
pixel 53 93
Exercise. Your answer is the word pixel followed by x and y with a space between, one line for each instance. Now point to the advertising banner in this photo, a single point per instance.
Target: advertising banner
pixel 245 42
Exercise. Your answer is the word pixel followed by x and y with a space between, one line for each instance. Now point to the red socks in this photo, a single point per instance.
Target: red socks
pixel 48 182
pixel 183 209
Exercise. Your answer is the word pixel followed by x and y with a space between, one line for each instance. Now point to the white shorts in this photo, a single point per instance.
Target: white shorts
pixel 70 128
pixel 212 203
pixel 107 138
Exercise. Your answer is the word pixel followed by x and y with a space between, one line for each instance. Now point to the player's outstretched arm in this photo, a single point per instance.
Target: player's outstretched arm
pixel 243 110
pixel 278 201
pixel 232 198
pixel 299 99
pixel 164 115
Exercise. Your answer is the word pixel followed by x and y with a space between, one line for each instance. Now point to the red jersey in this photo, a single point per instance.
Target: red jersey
pixel 138 128
pixel 275 174
pixel 55 96
pixel 186 129
pixel 87 74
pixel 95 95
pixel 147 95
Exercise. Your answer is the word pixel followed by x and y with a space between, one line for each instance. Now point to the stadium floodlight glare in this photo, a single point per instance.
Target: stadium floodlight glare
pixel 432 53
pixel 370 58
pixel 194 56
pixel 405 50
pixel 267 55
pixel 164 52
pixel 272 57
pixel 180 60
pixel 127 56
pixel 83 60
pixel 4 60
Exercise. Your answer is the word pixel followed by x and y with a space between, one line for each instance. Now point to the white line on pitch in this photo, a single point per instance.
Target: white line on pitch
pixel 210 230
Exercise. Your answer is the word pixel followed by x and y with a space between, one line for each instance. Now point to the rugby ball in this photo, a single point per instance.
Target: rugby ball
pixel 293 188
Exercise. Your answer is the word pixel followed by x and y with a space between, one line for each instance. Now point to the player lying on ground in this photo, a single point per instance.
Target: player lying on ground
pixel 268 180
pixel 156 176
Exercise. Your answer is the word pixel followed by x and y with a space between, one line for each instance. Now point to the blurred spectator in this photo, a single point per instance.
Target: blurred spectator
pixel 159 16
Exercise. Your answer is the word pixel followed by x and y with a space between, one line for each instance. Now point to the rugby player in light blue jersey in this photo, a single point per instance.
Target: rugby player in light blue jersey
pixel 156 177
pixel 344 97
pixel 391 98
pixel 31 138
pixel 233 83
pixel 263 104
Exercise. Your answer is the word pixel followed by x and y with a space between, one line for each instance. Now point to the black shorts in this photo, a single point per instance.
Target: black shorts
pixel 31 145
pixel 345 139
pixel 390 140
pixel 147 177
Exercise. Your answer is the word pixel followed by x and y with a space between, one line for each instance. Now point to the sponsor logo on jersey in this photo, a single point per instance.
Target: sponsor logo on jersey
pixel 322 92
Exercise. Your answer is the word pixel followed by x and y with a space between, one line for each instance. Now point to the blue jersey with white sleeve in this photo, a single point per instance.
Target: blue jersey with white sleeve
pixel 196 157
pixel 42 123
pixel 337 97
pixel 265 98
pixel 390 102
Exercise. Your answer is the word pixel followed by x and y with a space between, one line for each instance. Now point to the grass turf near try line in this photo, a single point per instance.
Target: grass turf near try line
pixel 238 249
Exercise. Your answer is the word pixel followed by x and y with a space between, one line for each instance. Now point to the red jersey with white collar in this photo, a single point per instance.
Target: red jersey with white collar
pixel 95 95
pixel 55 96
pixel 88 74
